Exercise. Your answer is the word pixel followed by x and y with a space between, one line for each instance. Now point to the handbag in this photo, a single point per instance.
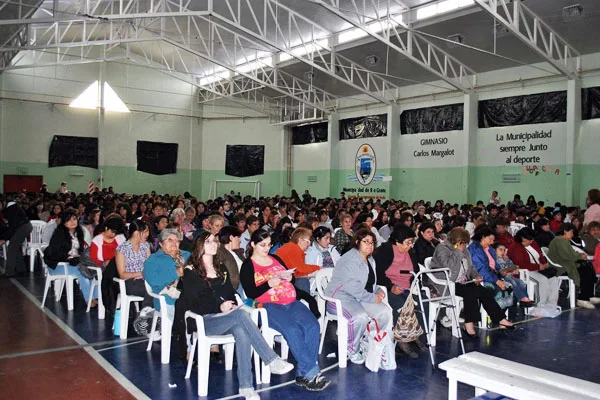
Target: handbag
pixel 407 328
pixel 375 345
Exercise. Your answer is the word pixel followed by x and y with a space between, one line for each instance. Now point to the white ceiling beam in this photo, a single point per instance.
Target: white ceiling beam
pixel 535 33
pixel 382 20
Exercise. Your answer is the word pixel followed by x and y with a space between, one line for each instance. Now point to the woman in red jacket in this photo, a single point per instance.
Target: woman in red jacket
pixel 526 254
pixel 293 254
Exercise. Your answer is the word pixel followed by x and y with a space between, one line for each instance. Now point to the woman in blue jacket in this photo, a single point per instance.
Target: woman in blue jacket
pixel 485 260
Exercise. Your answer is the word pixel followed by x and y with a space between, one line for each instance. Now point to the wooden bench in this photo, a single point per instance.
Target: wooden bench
pixel 514 380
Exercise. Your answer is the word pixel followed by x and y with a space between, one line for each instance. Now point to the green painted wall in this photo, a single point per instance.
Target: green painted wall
pixel 123 179
pixel 319 189
pixel 272 183
pixel 589 176
pixel 411 184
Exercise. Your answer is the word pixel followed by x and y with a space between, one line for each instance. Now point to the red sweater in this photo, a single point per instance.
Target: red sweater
pixel 520 257
pixel 293 257
pixel 506 239
pixel 554 225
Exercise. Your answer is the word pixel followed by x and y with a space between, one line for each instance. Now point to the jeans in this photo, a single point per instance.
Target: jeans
pixel 246 334
pixel 84 283
pixel 303 284
pixel 397 302
pixel 519 287
pixel 300 329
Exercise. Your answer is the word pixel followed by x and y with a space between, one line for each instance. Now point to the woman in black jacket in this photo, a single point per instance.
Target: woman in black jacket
pixel 425 244
pixel 395 261
pixel 67 245
pixel 18 229
pixel 207 291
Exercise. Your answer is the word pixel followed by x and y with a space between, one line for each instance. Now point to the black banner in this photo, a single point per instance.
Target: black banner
pixel 306 134
pixel 539 108
pixel 244 160
pixel 363 127
pixel 157 158
pixel 590 103
pixel 432 119
pixel 73 150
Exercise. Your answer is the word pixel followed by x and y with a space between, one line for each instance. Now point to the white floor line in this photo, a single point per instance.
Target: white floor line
pixel 121 342
pixel 277 386
pixel 528 320
pixel 112 371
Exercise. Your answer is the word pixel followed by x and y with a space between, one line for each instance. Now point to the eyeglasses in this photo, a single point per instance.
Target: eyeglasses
pixel 368 242
pixel 265 245
pixel 306 240
pixel 409 242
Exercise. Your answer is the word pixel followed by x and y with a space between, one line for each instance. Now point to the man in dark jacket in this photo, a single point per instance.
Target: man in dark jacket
pixel 19 228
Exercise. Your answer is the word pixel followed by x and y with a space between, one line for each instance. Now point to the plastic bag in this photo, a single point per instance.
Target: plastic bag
pixel 375 346
pixel 545 311
pixel 388 355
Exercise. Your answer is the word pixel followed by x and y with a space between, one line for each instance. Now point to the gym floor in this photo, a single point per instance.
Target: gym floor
pixel 52 353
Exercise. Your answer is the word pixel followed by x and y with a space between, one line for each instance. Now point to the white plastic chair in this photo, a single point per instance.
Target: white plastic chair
pixel 166 326
pixel 124 303
pixel 323 277
pixel 5 252
pixel 434 304
pixel 204 344
pixel 572 291
pixel 59 282
pixel 35 242
pixel 97 281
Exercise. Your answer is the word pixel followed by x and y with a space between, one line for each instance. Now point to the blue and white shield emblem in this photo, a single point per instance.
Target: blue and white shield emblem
pixel 366 164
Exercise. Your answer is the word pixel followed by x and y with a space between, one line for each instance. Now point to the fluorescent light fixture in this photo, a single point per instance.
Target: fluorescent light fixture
pixel 266 62
pixel 215 76
pixel 302 50
pixel 442 7
pixel 90 99
pixel 374 27
pixel 112 101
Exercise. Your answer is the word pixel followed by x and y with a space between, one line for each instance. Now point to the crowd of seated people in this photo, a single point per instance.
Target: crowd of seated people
pixel 246 246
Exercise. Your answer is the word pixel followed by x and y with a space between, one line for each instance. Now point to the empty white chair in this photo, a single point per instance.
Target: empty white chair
pixel 96 282
pixel 35 242
pixel 204 343
pixel 60 277
pixel 166 325
pixel 124 303
pixel 572 291
pixel 441 302
pixel 323 277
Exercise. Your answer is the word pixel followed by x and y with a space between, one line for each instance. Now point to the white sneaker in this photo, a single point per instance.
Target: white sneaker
pixel 357 358
pixel 595 300
pixel 585 304
pixel 155 337
pixel 446 322
pixel 249 394
pixel 280 367
pixel 146 311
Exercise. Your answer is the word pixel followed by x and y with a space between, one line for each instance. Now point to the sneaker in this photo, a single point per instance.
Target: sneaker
pixel 318 383
pixel 146 312
pixel 249 394
pixel 585 304
pixel 280 367
pixel 301 381
pixel 155 337
pixel 446 322
pixel 357 358
pixel 595 300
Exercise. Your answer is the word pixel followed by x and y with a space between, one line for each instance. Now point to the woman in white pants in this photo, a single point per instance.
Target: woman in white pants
pixel 527 254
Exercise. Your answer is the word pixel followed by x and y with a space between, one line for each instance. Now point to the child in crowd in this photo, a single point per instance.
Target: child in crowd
pixel 506 269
